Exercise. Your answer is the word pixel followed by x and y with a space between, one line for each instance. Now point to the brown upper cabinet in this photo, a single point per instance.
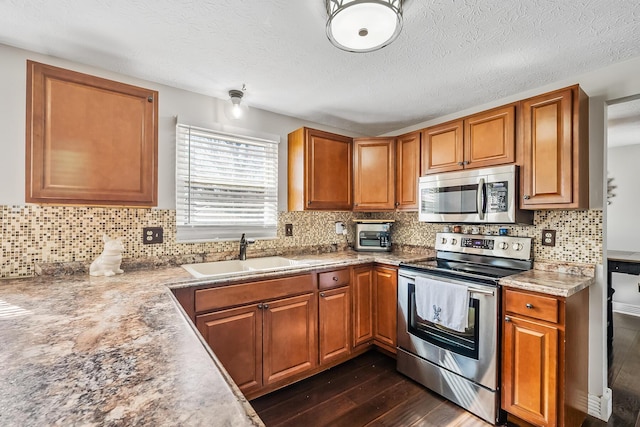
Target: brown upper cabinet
pixel 480 140
pixel 374 174
pixel 319 171
pixel 407 171
pixel 555 169
pixel 89 140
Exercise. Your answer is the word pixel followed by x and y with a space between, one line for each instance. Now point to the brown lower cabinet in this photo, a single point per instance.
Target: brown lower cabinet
pixel 362 287
pixel 270 333
pixel 375 306
pixel 545 357
pixel 385 312
pixel 263 343
pixel 334 315
pixel 334 309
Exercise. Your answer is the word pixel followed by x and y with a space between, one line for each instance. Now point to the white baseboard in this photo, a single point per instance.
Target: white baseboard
pixel 601 406
pixel 620 307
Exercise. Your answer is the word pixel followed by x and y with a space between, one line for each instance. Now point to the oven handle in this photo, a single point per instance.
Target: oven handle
pixel 470 289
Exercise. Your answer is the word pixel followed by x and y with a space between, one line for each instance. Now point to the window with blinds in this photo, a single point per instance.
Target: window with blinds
pixel 226 185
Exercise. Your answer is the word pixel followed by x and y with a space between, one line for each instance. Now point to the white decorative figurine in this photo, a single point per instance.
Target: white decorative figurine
pixel 108 263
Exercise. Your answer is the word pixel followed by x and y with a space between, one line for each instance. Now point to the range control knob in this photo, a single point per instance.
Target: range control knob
pixel 454 241
pixel 444 241
pixel 518 246
pixel 503 245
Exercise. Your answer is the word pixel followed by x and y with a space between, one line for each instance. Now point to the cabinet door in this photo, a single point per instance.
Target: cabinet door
pixel 89 140
pixel 407 171
pixel 334 308
pixel 490 138
pixel 443 148
pixel 362 286
pixel 374 174
pixel 385 297
pixel 530 370
pixel 235 336
pixel 289 337
pixel 547 172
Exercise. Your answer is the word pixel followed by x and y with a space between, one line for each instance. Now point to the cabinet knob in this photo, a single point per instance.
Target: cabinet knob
pixel 507 319
pixel 266 306
pixel 527 197
pixel 150 98
pixel 335 279
pixel 529 306
pixel 466 162
pixel 397 203
pixel 460 163
pixel 309 202
pixel 322 294
pixel 260 306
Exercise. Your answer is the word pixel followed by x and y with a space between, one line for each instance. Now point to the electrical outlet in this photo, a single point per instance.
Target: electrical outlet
pixel 548 237
pixel 340 228
pixel 288 230
pixel 152 235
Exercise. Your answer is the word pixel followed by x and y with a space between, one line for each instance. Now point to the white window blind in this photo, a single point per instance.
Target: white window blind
pixel 226 185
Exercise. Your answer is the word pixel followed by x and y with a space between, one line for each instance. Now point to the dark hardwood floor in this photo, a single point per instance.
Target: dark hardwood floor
pixel 367 391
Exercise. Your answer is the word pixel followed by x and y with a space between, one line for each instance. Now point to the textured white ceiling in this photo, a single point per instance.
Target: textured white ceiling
pixel 451 54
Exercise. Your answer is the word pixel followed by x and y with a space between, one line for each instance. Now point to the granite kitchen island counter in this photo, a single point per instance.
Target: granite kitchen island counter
pixel 81 350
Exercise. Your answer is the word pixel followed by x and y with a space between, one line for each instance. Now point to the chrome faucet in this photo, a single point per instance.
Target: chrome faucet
pixel 243 246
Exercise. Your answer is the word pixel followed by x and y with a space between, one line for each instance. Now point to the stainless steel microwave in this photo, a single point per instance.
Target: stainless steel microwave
pixel 477 196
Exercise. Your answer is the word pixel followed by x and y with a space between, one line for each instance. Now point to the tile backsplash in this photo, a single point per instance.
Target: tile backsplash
pixel 33 234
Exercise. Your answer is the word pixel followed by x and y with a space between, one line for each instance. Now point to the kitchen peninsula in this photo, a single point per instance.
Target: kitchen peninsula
pixel 119 350
pixel 81 350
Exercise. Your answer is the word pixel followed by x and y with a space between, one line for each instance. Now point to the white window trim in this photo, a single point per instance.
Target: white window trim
pixel 188 231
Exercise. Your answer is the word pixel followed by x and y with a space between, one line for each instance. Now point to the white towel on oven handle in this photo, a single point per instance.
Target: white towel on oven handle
pixel 443 303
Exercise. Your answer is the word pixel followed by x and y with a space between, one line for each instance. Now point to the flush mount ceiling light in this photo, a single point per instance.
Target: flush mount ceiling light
pixel 363 25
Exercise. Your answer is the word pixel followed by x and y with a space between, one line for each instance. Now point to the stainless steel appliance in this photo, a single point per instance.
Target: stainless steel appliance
pixel 488 195
pixel 461 366
pixel 373 235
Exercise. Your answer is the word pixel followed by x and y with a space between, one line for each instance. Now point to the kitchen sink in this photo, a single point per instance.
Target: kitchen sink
pixel 236 267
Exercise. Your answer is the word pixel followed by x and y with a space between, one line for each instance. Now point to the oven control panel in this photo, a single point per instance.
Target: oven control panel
pixel 501 246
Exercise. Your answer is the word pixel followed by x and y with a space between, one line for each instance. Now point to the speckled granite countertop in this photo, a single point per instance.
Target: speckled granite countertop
pixel 556 279
pixel 81 350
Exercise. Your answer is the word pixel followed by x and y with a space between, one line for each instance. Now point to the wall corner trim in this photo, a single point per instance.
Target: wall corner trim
pixel 601 407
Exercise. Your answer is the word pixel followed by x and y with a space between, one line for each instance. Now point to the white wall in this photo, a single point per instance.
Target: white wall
pixel 190 107
pixel 623 232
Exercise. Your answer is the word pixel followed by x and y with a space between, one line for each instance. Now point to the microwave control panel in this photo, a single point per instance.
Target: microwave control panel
pixel 498 196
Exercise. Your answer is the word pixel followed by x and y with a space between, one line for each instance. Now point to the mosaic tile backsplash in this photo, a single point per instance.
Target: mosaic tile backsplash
pixel 32 234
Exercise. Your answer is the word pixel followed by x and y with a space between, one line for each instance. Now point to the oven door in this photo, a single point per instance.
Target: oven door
pixel 473 353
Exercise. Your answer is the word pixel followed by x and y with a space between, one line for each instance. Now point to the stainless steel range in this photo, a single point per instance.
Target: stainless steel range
pixel 460 365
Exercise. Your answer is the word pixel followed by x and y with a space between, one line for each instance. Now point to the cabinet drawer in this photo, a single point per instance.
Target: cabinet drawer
pixel 535 306
pixel 246 293
pixel 332 279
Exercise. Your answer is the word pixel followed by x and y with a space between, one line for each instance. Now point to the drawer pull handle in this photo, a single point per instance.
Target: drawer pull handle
pixel 507 319
pixel 529 306
pixel 322 294
pixel 335 279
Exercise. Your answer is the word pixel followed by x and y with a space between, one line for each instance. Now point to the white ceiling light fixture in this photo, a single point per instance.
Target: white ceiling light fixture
pixel 363 25
pixel 236 98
